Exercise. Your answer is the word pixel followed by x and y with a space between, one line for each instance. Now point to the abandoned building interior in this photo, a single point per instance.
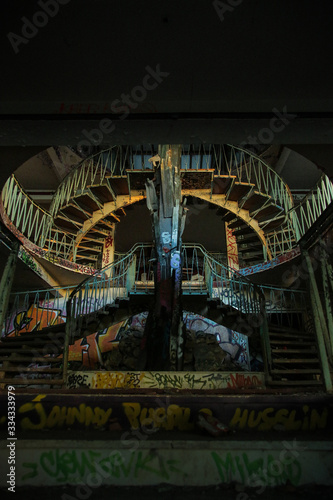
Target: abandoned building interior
pixel 166 249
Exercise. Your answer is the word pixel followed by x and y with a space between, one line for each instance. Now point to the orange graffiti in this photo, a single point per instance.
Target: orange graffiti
pixel 89 349
pixel 35 318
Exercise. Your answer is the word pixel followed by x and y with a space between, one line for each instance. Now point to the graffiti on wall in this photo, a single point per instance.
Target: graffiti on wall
pixel 73 466
pixel 88 350
pixel 35 317
pixel 246 271
pixel 264 469
pixel 233 343
pixel 170 412
pixel 270 418
pixel 164 380
pixel 232 249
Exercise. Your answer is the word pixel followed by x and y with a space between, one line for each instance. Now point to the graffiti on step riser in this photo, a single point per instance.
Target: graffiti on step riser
pixel 259 471
pixel 167 413
pixel 36 416
pixel 269 418
pixel 94 467
pixel 163 380
pixel 238 380
pixel 74 466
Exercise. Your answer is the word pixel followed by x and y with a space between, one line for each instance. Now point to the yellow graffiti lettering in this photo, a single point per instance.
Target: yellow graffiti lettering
pixel 132 411
pixel 267 421
pixel 26 423
pixel 159 416
pixel 268 418
pixel 90 416
pixel 147 421
pixel 239 418
pixel 178 417
pixel 171 418
pixel 76 414
pixel 252 421
pixel 318 421
pixel 101 416
pixel 117 380
pixel 53 418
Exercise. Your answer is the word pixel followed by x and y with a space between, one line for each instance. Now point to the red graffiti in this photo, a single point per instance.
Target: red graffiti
pixel 108 241
pixel 239 381
pixel 106 257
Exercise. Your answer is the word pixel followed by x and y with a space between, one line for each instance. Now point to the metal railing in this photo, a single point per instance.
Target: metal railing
pixel 102 289
pixel 305 214
pixel 202 273
pixel 33 222
pixel 36 309
pixel 287 306
pixel 249 168
pixel 37 224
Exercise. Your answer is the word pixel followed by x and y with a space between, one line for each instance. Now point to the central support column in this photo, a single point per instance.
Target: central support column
pixel 165 331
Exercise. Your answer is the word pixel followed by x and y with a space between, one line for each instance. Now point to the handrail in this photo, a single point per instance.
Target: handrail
pixel 34 222
pixel 37 224
pixel 201 274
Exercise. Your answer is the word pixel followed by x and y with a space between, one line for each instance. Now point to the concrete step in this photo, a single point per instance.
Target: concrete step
pixel 296 371
pixel 296 360
pixel 36 381
pixel 22 359
pixel 20 369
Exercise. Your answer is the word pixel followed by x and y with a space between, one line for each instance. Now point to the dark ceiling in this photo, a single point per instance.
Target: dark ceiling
pixel 227 73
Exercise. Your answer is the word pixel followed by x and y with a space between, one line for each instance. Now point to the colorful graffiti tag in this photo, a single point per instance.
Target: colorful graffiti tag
pixel 168 412
pixel 234 343
pixel 90 467
pixel 35 317
pixel 164 380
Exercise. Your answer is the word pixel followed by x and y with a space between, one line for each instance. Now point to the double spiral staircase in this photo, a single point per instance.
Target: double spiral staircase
pixel 245 192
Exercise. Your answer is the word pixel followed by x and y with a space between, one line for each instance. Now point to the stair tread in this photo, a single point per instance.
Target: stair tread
pixel 289 342
pixel 295 382
pixel 30 370
pixel 33 343
pixel 296 370
pixel 291 335
pixel 296 360
pixel 35 336
pixel 15 350
pixel 295 351
pixel 25 381
pixel 20 359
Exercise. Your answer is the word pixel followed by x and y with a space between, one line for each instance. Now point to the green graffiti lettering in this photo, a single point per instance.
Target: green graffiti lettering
pixel 142 464
pixel 257 472
pixel 32 473
pixel 225 467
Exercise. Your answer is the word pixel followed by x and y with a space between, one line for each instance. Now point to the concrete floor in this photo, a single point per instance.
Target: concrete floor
pixel 225 492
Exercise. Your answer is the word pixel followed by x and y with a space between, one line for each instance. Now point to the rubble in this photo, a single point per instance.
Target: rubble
pixel 202 353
